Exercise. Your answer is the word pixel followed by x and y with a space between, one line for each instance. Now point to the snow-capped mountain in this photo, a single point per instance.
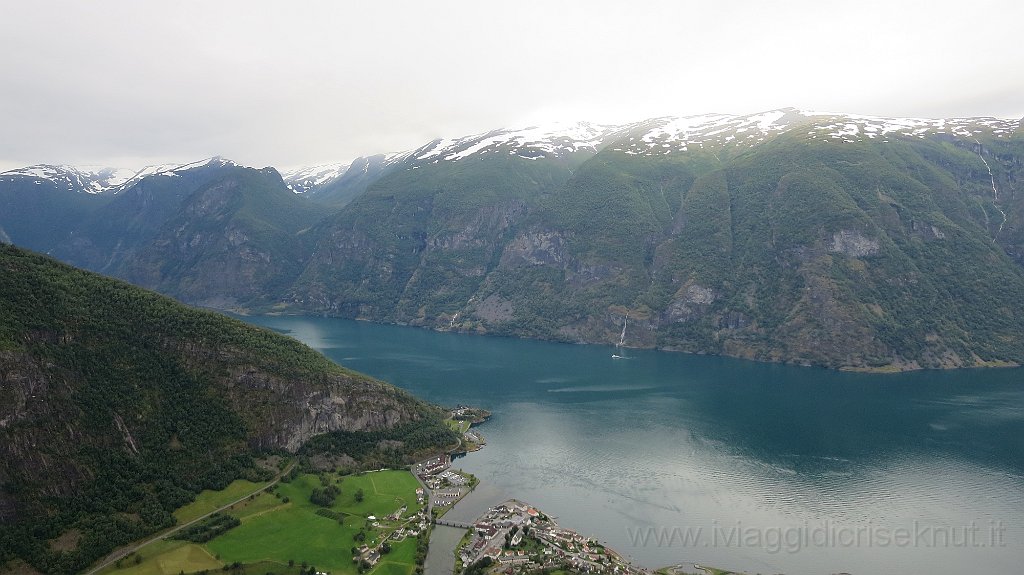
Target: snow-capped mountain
pixel 532 143
pixel 315 179
pixel 91 180
pixel 305 179
pixel 97 180
pixel 669 135
pixel 657 136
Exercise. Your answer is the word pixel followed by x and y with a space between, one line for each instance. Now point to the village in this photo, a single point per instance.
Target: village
pixel 442 486
pixel 516 538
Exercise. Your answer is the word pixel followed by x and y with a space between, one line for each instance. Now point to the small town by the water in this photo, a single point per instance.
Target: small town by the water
pixel 514 537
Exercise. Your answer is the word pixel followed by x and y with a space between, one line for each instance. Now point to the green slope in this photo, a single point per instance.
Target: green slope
pixel 118 405
pixel 866 254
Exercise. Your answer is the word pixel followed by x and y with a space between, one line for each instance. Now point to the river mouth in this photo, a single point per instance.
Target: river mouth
pixel 441 555
pixel 671 458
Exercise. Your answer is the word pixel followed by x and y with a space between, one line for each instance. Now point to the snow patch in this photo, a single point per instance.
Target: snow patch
pixel 98 180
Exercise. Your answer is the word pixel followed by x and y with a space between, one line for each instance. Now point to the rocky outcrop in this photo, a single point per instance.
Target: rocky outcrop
pixel 494 309
pixel 536 248
pixel 692 301
pixel 853 243
pixel 284 414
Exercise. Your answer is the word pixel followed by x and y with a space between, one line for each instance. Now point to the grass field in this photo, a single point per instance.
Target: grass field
pixel 167 557
pixel 458 426
pixel 386 567
pixel 273 532
pixel 294 531
pixel 207 501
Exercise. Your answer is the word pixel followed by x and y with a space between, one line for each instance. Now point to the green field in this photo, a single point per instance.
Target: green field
pixel 208 501
pixel 168 557
pixel 273 531
pixel 459 427
pixel 294 531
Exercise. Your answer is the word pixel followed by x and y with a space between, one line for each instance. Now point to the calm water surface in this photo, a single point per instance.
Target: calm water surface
pixel 674 458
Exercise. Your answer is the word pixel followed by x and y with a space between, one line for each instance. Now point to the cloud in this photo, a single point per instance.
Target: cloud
pixel 123 82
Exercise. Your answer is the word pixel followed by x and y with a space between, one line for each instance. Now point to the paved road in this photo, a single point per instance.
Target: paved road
pixel 125 552
pixel 427 494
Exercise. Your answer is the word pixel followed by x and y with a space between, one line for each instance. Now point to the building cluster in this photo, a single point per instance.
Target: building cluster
pixel 445 497
pixel 446 486
pixel 519 539
pixel 411 527
pixel 464 412
pixel 432 466
pixel 369 554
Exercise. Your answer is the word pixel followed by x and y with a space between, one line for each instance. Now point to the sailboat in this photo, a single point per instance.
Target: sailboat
pixel 622 338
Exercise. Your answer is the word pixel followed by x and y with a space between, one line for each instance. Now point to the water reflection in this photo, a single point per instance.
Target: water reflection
pixel 669 441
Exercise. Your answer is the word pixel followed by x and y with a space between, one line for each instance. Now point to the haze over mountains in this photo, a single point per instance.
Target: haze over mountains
pixel 825 239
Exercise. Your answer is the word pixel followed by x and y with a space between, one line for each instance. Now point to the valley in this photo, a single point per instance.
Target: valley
pixel 533 288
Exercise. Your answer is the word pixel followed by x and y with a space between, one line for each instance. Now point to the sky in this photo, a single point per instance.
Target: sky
pixel 131 83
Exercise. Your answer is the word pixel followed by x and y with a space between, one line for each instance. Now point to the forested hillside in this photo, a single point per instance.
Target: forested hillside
pixel 118 405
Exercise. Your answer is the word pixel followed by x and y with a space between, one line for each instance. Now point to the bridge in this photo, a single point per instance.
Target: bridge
pixel 453 524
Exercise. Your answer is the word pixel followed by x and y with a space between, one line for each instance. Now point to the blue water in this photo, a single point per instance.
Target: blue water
pixel 675 458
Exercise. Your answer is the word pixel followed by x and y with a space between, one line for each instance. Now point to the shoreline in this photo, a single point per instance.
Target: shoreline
pixel 556 549
pixel 888 369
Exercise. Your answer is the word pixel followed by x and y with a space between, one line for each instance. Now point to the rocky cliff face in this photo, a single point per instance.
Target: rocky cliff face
pixel 284 414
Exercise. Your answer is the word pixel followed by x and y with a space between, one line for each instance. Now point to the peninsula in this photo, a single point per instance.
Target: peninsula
pixel 514 537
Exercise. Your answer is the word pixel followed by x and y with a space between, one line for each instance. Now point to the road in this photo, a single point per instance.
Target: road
pixel 427 494
pixel 128 551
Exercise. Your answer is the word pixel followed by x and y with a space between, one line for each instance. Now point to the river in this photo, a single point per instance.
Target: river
pixel 674 458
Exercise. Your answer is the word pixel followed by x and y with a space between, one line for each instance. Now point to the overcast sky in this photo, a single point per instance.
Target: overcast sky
pixel 130 83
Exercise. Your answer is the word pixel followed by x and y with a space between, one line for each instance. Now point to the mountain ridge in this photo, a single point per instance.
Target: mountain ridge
pixel 691 226
pixel 555 138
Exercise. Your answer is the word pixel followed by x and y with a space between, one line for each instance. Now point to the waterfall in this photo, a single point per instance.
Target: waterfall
pixel 995 191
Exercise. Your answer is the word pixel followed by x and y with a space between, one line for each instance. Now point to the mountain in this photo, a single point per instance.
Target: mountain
pixel 335 185
pixel 43 205
pixel 822 239
pixel 306 179
pixel 117 405
pixel 72 179
pixel 213 233
pixel 816 238
pixel 38 205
